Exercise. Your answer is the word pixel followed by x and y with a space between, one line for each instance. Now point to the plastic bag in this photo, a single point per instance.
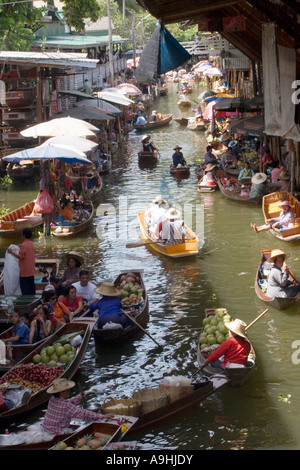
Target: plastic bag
pixel 112 326
pixel 44 203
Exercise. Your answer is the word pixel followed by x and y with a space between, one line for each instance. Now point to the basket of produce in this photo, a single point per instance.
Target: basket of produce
pixel 94 436
pixel 123 406
pixel 151 398
pixel 177 387
pixel 131 291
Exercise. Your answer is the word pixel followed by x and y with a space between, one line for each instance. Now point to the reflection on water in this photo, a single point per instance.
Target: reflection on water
pixel 179 290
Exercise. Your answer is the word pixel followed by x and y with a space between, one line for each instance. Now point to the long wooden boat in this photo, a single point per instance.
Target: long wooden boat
pixel 67 231
pixel 182 172
pixel 236 376
pixel 233 191
pixel 142 317
pixel 20 172
pixel 147 158
pixel 182 121
pixel 12 224
pixel 164 121
pixel 197 125
pixel 41 396
pixel 184 103
pixel 180 250
pixel 281 303
pixel 206 188
pixel 176 407
pixel 271 209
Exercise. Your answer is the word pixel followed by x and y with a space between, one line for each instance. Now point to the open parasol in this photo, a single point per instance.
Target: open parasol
pixel 61 126
pixel 129 89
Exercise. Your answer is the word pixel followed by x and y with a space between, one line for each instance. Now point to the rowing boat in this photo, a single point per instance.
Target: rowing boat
pixel 14 222
pixel 206 188
pixel 281 303
pixel 66 231
pixel 271 209
pixel 180 250
pixel 184 103
pixel 166 119
pixel 237 376
pixel 182 121
pixel 181 172
pixel 20 172
pixel 141 317
pixel 147 158
pixel 232 190
pixel 35 399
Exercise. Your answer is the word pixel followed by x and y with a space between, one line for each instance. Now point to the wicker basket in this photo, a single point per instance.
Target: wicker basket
pixel 125 406
pixel 151 399
pixel 176 392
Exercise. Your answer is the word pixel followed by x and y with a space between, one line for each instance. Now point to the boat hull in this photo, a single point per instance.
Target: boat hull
pixel 233 194
pixel 13 223
pixel 165 121
pixel 68 231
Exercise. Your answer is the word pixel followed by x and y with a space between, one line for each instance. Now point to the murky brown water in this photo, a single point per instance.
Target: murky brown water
pixel 252 417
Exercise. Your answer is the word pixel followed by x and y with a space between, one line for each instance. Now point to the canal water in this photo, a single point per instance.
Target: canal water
pixel 264 413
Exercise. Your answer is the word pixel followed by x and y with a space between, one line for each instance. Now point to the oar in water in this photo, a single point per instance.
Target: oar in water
pixel 141 243
pixel 137 324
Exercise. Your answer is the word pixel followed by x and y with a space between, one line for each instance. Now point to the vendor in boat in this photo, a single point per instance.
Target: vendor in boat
pixel 109 306
pixel 246 172
pixel 65 214
pixel 148 146
pixel 283 181
pixel 62 409
pixel 286 219
pixel 20 331
pixel 177 157
pixel 208 178
pixel 154 116
pixel 173 230
pixel 259 185
pixel 234 350
pixel 227 157
pixel 209 157
pixel 280 281
pixel 72 272
pixel 226 133
pixel 40 327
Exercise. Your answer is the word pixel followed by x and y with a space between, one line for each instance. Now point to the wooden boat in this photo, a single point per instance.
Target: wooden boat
pixel 184 103
pixel 67 231
pixel 233 191
pixel 175 407
pixel 41 396
pixel 182 121
pixel 270 207
pixel 17 352
pixel 181 172
pixel 20 172
pixel 206 188
pixel 281 303
pixel 20 98
pixel 196 125
pixel 22 303
pixel 164 121
pixel 188 248
pixel 106 164
pixel 218 147
pixel 236 376
pixel 147 158
pixel 233 170
pixel 12 224
pixel 141 318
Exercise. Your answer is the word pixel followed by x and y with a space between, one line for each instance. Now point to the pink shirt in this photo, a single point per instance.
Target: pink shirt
pixel 60 412
pixel 27 258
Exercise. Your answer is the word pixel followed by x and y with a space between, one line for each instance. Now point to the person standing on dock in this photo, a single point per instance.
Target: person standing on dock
pixel 26 258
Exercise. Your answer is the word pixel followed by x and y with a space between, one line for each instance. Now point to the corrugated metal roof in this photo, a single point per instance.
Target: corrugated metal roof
pixel 78 41
pixel 48 59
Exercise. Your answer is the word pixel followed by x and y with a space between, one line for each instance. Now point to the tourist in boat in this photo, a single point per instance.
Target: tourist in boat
pixel 173 229
pixel 109 306
pixel 177 157
pixel 66 215
pixel 283 181
pixel 209 157
pixel 158 216
pixel 56 308
pixel 259 185
pixel 20 331
pixel 286 219
pixel 246 172
pixel 85 288
pixel 148 146
pixel 62 409
pixel 234 350
pixel 154 116
pixel 26 257
pixel 73 302
pixel 279 282
pixel 209 176
pixel 40 327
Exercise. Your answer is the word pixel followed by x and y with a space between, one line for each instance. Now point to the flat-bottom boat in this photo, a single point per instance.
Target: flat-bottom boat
pixel 271 209
pixel 181 172
pixel 12 224
pixel 232 190
pixel 281 303
pixel 67 231
pixel 180 250
pixel 147 158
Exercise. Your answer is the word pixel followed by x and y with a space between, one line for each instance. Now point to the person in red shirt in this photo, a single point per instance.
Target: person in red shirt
pixel 26 258
pixel 235 350
pixel 73 303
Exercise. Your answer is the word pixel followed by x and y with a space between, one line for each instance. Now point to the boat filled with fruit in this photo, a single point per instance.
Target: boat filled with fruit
pixel 25 385
pixel 213 334
pixel 134 300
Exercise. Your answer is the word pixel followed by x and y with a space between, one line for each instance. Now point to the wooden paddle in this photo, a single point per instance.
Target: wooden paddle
pixel 141 243
pixel 137 324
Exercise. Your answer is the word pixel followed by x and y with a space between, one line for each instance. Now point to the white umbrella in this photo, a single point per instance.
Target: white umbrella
pixel 67 126
pixel 49 151
pixel 79 143
pixel 115 98
pixel 213 72
pixel 100 104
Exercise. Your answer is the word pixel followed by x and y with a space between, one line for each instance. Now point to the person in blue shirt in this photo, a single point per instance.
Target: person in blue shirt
pixel 177 157
pixel 109 306
pixel 209 157
pixel 20 331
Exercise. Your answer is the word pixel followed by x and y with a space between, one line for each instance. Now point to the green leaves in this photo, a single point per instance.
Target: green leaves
pixel 76 10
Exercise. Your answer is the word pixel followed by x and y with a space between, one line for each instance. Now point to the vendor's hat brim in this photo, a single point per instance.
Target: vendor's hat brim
pixel 108 289
pixel 145 137
pixel 238 327
pixel 258 178
pixel 172 213
pixel 73 254
pixel 276 253
pixel 177 147
pixel 60 384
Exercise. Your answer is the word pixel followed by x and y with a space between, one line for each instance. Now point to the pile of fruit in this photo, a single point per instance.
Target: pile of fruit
pixel 131 290
pixel 31 375
pixel 214 331
pixel 58 353
pixel 95 441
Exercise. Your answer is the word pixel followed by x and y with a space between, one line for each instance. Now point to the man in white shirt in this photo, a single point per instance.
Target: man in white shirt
pixel 173 229
pixel 86 289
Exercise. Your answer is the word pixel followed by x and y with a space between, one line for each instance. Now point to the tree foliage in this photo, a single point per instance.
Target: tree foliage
pixel 76 10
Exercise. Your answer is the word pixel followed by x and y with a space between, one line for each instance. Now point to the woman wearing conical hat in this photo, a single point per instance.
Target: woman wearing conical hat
pixel 279 282
pixel 234 350
pixel 109 306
